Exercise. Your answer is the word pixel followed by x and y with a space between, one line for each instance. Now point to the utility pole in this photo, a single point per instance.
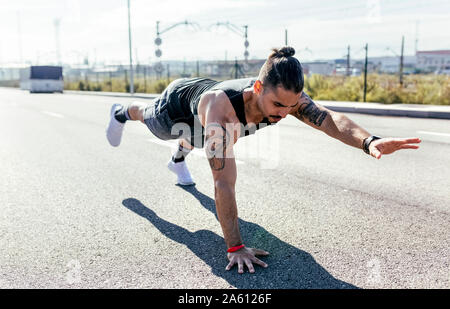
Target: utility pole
pixel 198 69
pixel 238 72
pixel 145 78
pixel 246 43
pixel 365 72
pixel 401 61
pixel 110 81
pixel 285 37
pixel 131 53
pixel 126 79
pixel 348 60
pixel 417 37
pixel 168 73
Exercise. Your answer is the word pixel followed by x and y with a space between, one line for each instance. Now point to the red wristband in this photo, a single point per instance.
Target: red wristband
pixel 234 249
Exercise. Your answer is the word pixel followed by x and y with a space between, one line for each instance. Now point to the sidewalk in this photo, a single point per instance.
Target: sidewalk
pixel 398 110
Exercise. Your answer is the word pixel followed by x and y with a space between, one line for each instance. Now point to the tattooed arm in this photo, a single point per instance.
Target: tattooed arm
pixel 223 167
pixel 342 128
pixel 221 133
pixel 219 152
pixel 332 123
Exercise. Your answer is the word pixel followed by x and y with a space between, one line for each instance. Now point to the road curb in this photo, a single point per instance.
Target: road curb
pixel 396 112
pixel 114 94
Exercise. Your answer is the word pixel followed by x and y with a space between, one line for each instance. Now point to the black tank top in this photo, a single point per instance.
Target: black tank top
pixel 186 93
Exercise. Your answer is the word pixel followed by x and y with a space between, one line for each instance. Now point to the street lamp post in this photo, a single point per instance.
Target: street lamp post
pixel 158 41
pixel 131 54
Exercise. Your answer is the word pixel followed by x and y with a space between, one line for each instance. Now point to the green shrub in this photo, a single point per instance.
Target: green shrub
pixel 382 88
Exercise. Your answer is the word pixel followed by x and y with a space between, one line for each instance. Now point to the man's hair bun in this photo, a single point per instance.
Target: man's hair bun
pixel 285 51
pixel 281 69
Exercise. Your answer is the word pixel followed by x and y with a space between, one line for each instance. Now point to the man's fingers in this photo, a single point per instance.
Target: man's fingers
pixel 259 252
pixel 231 264
pixel 240 267
pixel 409 147
pixel 411 140
pixel 250 267
pixel 402 141
pixel 376 153
pixel 259 262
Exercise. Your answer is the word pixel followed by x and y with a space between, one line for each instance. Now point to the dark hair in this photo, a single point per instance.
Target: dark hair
pixel 282 69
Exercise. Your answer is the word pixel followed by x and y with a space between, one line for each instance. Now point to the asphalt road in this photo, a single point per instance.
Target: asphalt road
pixel 76 212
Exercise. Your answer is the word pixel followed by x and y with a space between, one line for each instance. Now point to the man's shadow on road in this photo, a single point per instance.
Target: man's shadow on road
pixel 289 267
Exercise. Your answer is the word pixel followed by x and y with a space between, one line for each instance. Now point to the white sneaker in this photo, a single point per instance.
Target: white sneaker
pixel 115 128
pixel 180 169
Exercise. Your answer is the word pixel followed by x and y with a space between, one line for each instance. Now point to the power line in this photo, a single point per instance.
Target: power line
pixel 239 31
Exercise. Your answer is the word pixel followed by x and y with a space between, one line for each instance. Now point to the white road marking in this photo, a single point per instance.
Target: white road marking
pixel 53 114
pixel 174 144
pixel 434 133
pixel 10 103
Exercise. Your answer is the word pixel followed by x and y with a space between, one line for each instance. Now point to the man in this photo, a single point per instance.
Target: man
pixel 205 113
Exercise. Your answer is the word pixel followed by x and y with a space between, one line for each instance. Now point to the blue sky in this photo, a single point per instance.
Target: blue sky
pixel 316 29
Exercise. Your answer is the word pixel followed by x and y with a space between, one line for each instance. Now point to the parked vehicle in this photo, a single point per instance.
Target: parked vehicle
pixel 42 79
pixel 444 70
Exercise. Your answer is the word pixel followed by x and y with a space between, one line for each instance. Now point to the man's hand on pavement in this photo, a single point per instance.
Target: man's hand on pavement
pixel 246 256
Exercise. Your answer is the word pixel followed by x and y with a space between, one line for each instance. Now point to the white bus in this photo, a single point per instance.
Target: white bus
pixel 42 79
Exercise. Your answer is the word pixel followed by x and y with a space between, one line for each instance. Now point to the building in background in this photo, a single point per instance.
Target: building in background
pixel 10 72
pixel 319 67
pixel 437 61
pixel 391 64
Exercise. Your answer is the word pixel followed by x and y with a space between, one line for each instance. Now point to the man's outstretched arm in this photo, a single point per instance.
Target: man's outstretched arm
pixel 340 127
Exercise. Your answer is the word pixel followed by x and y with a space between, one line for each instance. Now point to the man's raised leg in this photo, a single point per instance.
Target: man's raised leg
pixel 119 114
